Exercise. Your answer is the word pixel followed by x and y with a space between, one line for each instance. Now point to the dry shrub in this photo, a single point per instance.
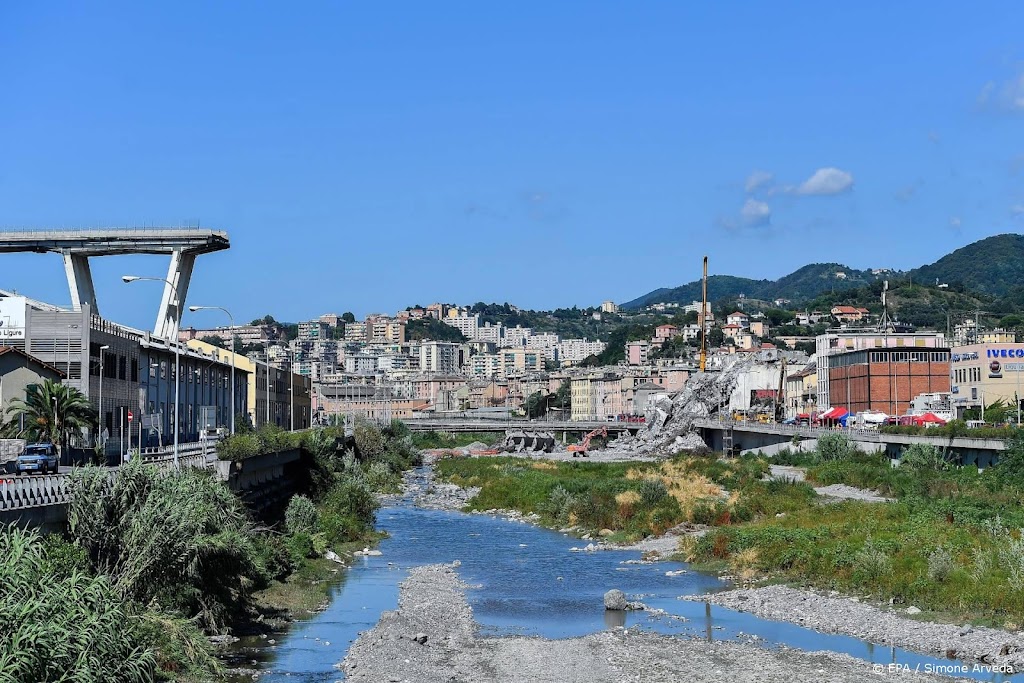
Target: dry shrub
pixel 543 465
pixel 720 548
pixel 626 502
pixel 689 489
pixel 687 546
pixel 572 519
pixel 744 560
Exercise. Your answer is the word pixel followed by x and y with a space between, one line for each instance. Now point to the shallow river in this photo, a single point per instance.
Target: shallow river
pixel 527 581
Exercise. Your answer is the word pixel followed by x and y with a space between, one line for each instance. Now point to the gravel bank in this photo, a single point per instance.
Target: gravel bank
pixel 834 491
pixel 431 638
pixel 847 616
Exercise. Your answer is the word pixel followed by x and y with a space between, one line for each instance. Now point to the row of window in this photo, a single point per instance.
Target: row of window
pixel 908 356
pixel 967 375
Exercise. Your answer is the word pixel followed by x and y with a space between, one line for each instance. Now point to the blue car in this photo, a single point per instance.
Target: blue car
pixel 38 457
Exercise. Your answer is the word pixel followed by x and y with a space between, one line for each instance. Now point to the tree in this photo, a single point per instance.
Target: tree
pixel 52 412
pixel 563 397
pixel 214 340
pixel 716 337
pixel 777 316
pixel 348 317
pixel 536 405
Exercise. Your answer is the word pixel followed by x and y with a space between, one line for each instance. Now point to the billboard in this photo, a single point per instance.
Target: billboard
pixel 12 318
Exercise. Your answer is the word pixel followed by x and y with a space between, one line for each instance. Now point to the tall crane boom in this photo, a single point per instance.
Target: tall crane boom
pixel 703 318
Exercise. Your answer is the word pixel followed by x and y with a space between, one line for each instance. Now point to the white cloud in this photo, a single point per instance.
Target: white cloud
pixel 955 223
pixel 755 213
pixel 758 180
pixel 826 181
pixel 1017 210
pixel 1007 96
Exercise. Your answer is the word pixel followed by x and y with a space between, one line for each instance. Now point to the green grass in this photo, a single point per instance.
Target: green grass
pixel 950 544
pixel 633 500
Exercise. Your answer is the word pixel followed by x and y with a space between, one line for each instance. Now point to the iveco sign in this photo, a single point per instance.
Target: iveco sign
pixel 1004 353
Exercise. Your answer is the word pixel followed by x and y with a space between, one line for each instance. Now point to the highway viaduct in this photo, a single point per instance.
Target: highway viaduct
pixel 727 435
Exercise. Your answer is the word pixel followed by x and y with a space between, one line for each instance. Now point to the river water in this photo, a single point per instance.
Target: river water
pixel 527 581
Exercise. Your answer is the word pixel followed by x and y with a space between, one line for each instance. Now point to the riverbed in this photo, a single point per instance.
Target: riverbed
pixel 526 580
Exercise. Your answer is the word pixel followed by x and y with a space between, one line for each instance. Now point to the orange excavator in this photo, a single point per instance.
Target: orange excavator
pixel 578 449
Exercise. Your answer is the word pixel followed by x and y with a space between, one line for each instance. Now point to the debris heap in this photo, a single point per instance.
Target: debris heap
pixel 669 420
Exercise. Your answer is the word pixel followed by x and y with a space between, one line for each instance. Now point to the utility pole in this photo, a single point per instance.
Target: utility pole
pixel 703 318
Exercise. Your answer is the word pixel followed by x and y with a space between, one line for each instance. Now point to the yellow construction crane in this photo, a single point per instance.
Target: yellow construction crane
pixel 703 319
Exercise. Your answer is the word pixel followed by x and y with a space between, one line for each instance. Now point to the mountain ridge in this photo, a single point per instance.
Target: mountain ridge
pixel 992 265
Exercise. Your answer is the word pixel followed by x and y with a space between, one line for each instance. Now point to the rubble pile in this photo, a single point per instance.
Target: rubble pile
pixel 669 420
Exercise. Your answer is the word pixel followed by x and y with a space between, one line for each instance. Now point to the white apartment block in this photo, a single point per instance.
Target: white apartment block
pixel 439 357
pixel 516 336
pixel 466 324
pixel 578 349
pixel 494 334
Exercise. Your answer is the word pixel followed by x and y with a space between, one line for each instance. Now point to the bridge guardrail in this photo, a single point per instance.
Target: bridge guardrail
pixel 28 491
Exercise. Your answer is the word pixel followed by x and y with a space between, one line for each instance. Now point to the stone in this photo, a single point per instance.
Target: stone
pixel 913 610
pixel 420 638
pixel 333 557
pixel 605 533
pixel 965 630
pixel 615 599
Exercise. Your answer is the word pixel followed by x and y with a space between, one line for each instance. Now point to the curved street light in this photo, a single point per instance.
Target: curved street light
pixel 177 356
pixel 193 309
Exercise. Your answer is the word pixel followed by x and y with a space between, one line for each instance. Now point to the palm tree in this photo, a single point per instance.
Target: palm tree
pixel 52 412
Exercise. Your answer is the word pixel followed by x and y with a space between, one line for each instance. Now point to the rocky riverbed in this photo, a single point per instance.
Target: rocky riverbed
pixel 849 616
pixel 432 637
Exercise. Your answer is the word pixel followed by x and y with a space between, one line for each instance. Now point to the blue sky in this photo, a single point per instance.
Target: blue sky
pixel 370 156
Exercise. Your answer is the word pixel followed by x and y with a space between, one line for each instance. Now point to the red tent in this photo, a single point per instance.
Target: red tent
pixel 833 414
pixel 930 418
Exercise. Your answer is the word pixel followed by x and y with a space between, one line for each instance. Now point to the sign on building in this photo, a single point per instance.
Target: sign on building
pixel 12 317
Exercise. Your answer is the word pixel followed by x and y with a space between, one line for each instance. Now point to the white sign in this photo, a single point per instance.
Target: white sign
pixel 12 317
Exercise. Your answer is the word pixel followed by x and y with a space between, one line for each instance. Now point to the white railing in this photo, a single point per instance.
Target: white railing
pixel 28 491
pixel 25 492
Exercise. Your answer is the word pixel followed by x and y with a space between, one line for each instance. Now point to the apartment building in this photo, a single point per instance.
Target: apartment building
pixel 495 334
pixel 439 357
pixel 466 324
pixel 596 397
pixel 575 350
pixel 637 352
pixel 516 336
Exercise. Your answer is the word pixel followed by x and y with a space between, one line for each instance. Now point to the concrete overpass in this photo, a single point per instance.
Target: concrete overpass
pixel 727 435
pixel 475 424
pixel 77 246
pixel 722 435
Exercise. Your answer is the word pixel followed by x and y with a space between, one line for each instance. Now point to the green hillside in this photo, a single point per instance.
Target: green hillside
pixel 993 265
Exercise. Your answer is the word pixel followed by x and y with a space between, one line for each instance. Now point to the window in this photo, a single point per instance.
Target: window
pixel 135 370
pixel 122 367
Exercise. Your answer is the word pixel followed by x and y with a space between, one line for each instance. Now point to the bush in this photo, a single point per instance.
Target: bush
pixel 176 538
pixel 922 457
pixel 64 627
pixel 652 491
pixel 369 440
pixel 940 564
pixel 300 546
pixel 301 516
pixel 833 447
pixel 557 504
pixel 380 477
pixel 871 565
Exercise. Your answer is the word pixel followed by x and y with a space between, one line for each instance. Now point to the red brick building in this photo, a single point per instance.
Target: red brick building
pixel 886 379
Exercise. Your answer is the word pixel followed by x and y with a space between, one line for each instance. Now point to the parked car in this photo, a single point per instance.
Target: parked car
pixel 38 457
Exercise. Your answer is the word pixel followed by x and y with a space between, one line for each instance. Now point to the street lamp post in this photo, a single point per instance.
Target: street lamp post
pixel 102 421
pixel 232 320
pixel 177 357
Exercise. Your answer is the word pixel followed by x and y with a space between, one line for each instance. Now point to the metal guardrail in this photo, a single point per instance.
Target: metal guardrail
pixel 29 491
